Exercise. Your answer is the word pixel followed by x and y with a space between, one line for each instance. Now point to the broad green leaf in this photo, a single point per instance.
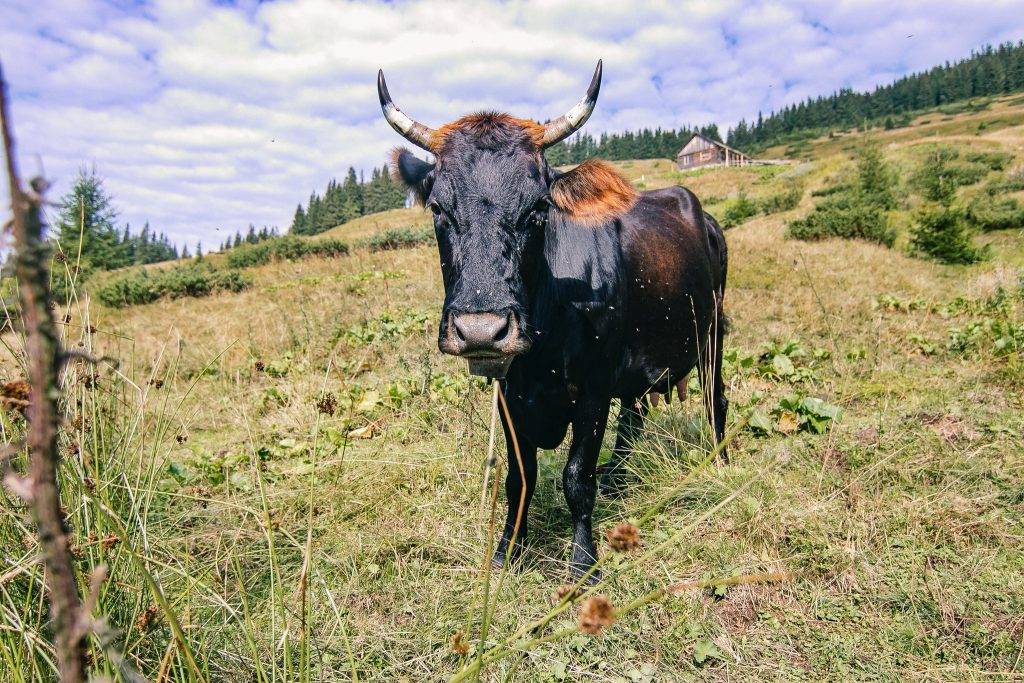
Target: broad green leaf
pixel 704 650
pixel 815 406
pixel 783 366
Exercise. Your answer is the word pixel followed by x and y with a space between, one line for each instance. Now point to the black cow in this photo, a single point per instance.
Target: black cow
pixel 571 286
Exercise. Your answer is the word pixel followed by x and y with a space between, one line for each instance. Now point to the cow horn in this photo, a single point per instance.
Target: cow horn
pixel 413 131
pixel 570 122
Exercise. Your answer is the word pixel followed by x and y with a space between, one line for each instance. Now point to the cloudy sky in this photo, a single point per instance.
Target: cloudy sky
pixel 205 116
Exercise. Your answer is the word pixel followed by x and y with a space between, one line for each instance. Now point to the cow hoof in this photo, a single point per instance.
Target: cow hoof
pixel 577 572
pixel 613 485
pixel 498 559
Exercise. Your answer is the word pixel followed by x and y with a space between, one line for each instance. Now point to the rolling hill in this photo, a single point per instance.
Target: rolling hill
pixel 304 469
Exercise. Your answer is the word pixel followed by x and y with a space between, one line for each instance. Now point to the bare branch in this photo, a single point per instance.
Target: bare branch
pixel 42 348
pixel 80 354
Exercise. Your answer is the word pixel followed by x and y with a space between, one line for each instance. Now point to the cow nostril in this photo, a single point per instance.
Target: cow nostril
pixel 458 328
pixel 481 331
pixel 503 331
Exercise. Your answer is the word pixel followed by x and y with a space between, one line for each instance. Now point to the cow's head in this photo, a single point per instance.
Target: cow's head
pixel 491 192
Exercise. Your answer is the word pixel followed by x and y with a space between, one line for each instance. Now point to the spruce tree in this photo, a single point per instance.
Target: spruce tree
pixel 85 224
pixel 941 231
pixel 876 180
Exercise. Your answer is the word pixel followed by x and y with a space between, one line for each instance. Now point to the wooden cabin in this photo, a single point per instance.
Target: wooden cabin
pixel 701 151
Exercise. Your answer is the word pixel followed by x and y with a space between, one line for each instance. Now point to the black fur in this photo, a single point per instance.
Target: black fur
pixel 615 310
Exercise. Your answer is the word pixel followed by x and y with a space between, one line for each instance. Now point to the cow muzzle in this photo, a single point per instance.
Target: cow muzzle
pixel 488 340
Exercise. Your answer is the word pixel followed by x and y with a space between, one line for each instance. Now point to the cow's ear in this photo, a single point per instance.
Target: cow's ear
pixel 593 193
pixel 412 173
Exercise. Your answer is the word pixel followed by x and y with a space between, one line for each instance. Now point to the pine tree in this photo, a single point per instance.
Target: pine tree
pixel 991 71
pixel 876 179
pixel 352 199
pixel 85 225
pixel 941 231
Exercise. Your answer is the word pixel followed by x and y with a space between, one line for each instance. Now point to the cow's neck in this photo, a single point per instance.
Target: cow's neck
pixel 579 274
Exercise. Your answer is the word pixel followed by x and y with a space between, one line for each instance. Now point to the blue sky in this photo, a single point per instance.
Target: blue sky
pixel 206 116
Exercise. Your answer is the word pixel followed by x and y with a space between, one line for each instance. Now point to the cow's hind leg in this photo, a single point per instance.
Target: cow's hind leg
pixel 631 421
pixel 710 369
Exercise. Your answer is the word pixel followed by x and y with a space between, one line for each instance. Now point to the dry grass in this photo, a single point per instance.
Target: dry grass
pixel 902 523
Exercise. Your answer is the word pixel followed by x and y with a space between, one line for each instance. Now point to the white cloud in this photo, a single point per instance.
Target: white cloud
pixel 206 116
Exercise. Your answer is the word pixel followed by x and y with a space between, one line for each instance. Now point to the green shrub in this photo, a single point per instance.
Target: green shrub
pixel 995 161
pixel 828 190
pixel 782 201
pixel 247 255
pixel 941 234
pixel 402 238
pixel 286 248
pixel 1011 182
pixel 738 210
pixel 941 174
pixel 992 214
pixel 967 173
pixel 192 279
pixel 847 216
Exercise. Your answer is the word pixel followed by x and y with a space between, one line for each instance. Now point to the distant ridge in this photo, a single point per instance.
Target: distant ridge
pixel 988 72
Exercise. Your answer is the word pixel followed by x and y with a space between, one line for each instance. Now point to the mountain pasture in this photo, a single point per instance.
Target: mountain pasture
pixel 290 477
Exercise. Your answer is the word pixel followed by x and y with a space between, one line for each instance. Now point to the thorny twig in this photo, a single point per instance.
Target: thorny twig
pixel 42 349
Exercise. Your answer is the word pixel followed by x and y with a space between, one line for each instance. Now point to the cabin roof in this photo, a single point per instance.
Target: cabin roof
pixel 698 142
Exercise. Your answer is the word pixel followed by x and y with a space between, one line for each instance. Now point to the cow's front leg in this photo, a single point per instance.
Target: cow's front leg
pixel 579 481
pixel 519 486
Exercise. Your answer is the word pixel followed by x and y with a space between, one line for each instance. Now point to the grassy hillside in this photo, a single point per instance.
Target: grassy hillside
pixel 302 469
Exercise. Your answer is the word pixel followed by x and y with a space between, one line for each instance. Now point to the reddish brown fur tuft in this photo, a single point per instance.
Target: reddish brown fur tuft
pixel 483 123
pixel 593 192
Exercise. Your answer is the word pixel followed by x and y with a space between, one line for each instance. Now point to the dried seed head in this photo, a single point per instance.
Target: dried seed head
pixel 109 541
pixel 147 618
pixel 623 537
pixel 596 615
pixel 260 366
pixel 92 329
pixel 60 257
pixel 14 395
pixel 181 438
pixel 327 404
pixel 459 644
pixel 564 592
pixel 156 383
